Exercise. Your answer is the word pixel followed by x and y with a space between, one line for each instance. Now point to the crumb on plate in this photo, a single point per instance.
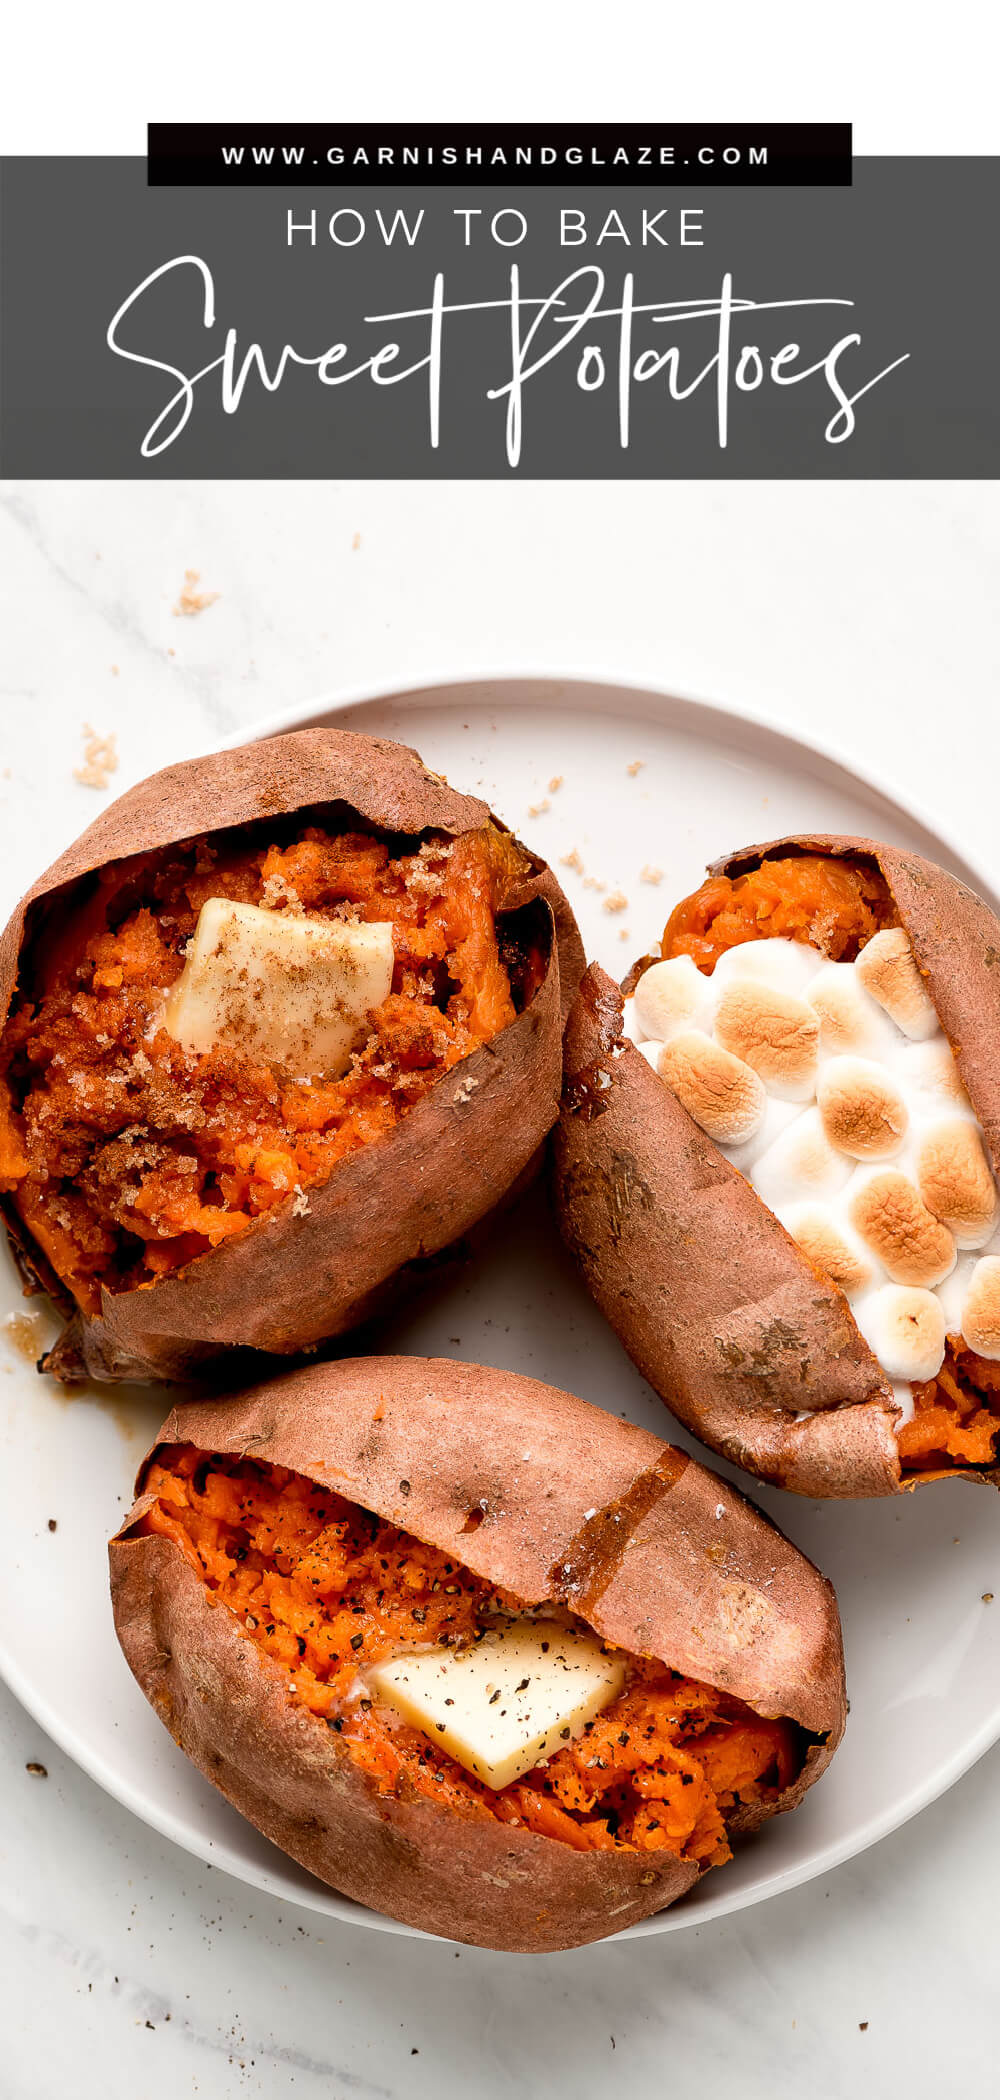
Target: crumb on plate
pixel 191 601
pixel 100 759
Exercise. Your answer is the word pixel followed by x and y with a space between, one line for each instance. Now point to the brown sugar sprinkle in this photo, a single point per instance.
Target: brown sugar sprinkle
pixel 653 875
pixel 572 860
pixel 616 902
pixel 100 759
pixel 191 601
pixel 635 767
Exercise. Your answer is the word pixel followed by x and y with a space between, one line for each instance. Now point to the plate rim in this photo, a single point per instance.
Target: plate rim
pixel 554 685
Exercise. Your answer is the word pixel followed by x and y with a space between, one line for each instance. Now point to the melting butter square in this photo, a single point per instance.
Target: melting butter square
pixel 293 992
pixel 520 1694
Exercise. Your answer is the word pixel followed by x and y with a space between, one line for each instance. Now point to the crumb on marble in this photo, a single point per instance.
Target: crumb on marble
pixel 616 902
pixel 100 759
pixel 356 543
pixel 191 601
pixel 555 783
pixel 572 860
pixel 592 882
pixel 635 767
pixel 538 809
pixel 652 875
pixel 37 1771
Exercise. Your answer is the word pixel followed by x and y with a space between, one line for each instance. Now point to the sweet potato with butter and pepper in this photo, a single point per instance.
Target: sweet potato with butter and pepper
pixel 777 1166
pixel 520 1688
pixel 283 1024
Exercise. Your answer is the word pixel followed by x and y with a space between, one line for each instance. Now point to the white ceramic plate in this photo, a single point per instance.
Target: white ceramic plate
pixel 923 1649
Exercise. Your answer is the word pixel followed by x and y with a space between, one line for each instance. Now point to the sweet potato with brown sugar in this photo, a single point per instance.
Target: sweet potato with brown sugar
pixel 777 1161
pixel 282 1026
pixel 284 1543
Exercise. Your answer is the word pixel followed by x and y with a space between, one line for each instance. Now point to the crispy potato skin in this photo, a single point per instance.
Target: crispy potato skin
pixel 713 1300
pixel 756 1618
pixel 291 1282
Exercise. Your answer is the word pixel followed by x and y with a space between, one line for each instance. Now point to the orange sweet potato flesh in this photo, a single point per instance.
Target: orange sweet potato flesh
pixel 190 1214
pixel 812 897
pixel 329 1590
pixel 755 1349
pixel 298 1492
pixel 125 1158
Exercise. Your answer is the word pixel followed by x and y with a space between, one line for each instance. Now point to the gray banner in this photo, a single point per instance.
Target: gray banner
pixel 464 331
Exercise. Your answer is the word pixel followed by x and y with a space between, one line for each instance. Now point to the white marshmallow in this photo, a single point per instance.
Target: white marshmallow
pixel 723 1095
pixel 832 1246
pixel 903 1397
pixel 904 1328
pixel 801 1163
pixel 981 1312
pixel 777 1117
pixel 930 1078
pixel 671 996
pixel 863 1111
pixel 849 1020
pixel 956 1181
pixel 775 1033
pixel 784 965
pixel 892 1219
pixel 650 1050
pixel 952 1292
pixel 887 968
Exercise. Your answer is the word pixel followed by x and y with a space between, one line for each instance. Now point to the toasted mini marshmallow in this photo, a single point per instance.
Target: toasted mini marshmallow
pixel 888 970
pixel 831 1247
pixel 723 1095
pixel 777 1116
pixel 955 1181
pixel 848 1019
pixel 911 1243
pixel 784 965
pixel 904 1328
pixel 801 1163
pixel 981 1311
pixel 862 1108
pixel 774 1032
pixel 929 1076
pixel 671 997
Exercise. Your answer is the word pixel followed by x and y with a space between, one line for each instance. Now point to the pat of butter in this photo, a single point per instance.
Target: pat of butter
pixel 520 1694
pixel 294 992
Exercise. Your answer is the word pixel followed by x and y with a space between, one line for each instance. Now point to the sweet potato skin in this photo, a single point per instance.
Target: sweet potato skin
pixel 291 1282
pixel 711 1297
pixel 405 1437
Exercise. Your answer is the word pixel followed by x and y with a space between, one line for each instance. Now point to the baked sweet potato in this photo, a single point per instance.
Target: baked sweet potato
pixel 284 1542
pixel 787 1207
pixel 181 1202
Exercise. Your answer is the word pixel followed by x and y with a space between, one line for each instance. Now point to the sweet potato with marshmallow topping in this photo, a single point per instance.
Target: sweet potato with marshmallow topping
pixel 813 1289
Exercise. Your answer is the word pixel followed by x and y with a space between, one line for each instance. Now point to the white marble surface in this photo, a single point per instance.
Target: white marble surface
pixel 866 615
